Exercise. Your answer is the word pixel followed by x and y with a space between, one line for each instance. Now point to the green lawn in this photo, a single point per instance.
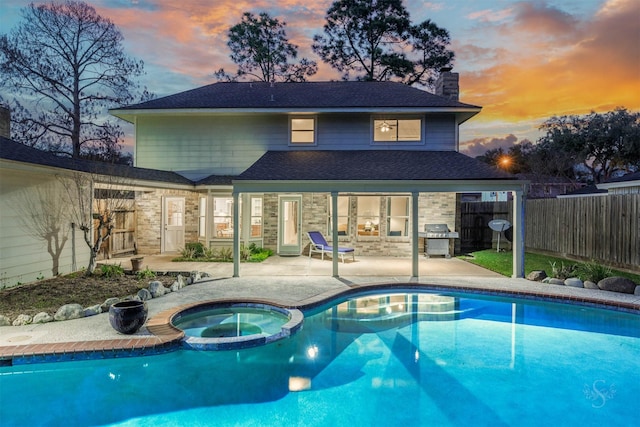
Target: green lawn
pixel 502 262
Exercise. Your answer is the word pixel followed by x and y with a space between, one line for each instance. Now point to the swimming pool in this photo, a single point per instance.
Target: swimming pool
pixel 415 358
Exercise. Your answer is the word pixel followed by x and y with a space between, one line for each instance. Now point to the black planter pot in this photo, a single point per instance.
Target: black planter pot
pixel 127 317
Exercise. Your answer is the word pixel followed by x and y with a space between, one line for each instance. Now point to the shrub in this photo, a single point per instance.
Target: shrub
pixel 145 274
pixel 112 270
pixel 210 253
pixel 187 253
pixel 594 272
pixel 197 249
pixel 225 254
pixel 260 255
pixel 563 272
pixel 245 252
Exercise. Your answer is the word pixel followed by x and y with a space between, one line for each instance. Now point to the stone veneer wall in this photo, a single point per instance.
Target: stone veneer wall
pixel 433 208
pixel 149 218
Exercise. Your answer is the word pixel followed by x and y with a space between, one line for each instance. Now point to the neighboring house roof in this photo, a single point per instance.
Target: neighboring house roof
pixel 302 97
pixel 589 190
pixel 628 180
pixel 11 150
pixel 369 165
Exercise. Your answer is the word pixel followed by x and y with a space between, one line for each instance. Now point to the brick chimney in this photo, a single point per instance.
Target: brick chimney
pixel 447 84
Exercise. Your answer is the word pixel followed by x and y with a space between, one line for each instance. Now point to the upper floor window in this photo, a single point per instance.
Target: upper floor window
pixel 303 130
pixel 397 130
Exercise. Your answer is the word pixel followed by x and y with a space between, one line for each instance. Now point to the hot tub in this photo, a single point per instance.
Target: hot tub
pixel 233 325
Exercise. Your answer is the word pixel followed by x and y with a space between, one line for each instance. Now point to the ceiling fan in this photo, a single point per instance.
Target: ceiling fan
pixel 385 127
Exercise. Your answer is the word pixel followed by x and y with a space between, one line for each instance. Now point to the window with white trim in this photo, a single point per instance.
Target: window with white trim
pixel 223 217
pixel 397 130
pixel 202 217
pixel 398 216
pixel 256 216
pixel 343 216
pixel 368 216
pixel 303 131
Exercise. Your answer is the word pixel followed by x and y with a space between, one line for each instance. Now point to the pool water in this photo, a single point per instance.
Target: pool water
pixel 393 359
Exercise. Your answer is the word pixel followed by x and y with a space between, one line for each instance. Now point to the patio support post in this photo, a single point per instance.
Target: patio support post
pixel 236 234
pixel 334 231
pixel 414 234
pixel 518 234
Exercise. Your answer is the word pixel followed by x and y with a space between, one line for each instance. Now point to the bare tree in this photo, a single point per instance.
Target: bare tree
pixel 44 215
pixel 67 65
pixel 94 199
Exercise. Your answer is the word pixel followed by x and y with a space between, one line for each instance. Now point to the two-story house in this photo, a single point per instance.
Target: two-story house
pixel 368 163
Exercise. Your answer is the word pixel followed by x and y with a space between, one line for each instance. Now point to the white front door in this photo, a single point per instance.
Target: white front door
pixel 289 236
pixel 173 224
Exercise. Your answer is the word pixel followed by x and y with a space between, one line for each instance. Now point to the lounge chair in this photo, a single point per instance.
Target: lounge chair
pixel 319 244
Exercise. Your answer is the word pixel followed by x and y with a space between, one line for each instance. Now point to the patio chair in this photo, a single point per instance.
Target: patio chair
pixel 320 245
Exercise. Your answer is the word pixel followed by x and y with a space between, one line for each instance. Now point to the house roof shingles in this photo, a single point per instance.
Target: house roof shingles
pixel 306 95
pixel 11 150
pixel 369 165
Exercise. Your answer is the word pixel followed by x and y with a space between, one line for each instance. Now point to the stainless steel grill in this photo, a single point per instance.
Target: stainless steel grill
pixel 437 239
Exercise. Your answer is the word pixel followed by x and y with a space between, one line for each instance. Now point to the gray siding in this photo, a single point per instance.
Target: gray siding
pixel 197 146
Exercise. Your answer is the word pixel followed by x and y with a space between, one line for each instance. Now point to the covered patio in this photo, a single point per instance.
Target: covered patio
pixel 379 172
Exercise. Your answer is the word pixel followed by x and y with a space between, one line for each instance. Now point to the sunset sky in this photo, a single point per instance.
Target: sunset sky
pixel 522 61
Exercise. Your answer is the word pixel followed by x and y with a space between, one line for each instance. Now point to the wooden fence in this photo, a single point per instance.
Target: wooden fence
pixel 602 228
pixel 605 228
pixel 475 233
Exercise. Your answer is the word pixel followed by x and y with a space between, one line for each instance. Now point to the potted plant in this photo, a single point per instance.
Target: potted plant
pixel 127 317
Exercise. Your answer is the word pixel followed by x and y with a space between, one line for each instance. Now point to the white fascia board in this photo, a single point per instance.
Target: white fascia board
pixel 622 184
pixel 426 186
pixel 576 196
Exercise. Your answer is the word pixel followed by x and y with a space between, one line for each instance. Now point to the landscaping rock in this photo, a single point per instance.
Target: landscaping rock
pixel 537 275
pixel 5 321
pixel 637 291
pixel 196 276
pixel 108 303
pixel 176 286
pixel 157 289
pixel 588 284
pixel 68 312
pixel 181 280
pixel 93 310
pixel 23 319
pixel 42 317
pixel 617 284
pixel 554 281
pixel 574 282
pixel 144 295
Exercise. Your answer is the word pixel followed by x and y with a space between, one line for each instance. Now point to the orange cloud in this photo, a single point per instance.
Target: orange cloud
pixel 568 68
